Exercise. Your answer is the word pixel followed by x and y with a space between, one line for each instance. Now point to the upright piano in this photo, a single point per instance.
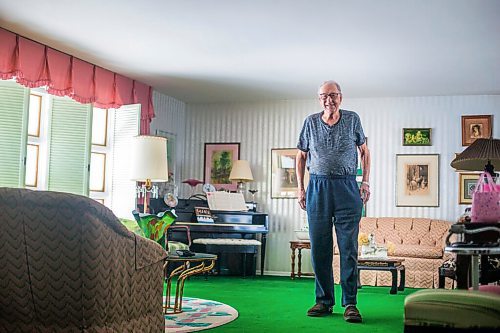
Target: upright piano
pixel 227 224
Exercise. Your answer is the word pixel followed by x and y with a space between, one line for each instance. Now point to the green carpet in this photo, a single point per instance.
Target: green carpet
pixel 279 304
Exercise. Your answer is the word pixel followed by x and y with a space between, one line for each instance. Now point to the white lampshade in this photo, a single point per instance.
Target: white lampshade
pixel 241 171
pixel 148 159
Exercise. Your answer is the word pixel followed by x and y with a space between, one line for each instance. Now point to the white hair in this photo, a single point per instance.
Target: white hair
pixel 330 82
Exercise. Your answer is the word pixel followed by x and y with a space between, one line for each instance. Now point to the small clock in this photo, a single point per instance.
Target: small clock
pixel 170 200
pixel 208 188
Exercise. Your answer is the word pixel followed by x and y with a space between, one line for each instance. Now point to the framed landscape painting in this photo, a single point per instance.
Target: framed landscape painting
pixel 417 180
pixel 475 127
pixel 283 176
pixel 171 152
pixel 467 185
pixel 417 136
pixel 219 158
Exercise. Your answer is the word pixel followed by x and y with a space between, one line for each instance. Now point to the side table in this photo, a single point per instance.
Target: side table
pixel 474 252
pixel 299 245
pixel 203 263
pixel 385 264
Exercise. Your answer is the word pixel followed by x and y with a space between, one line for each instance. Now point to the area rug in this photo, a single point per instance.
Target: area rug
pixel 199 314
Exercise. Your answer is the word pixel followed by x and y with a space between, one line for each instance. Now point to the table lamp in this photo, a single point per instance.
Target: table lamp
pixel 149 164
pixel 481 155
pixel 241 173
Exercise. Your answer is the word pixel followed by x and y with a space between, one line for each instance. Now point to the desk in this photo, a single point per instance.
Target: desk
pixel 204 263
pixel 299 245
pixel 382 264
pixel 474 253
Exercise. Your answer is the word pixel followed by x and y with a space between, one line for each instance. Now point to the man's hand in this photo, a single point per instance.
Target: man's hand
pixel 302 198
pixel 364 191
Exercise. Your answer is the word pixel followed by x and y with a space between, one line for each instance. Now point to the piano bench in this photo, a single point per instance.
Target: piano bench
pixel 231 245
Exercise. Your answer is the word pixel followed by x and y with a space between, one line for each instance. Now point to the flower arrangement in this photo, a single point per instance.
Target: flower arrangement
pixel 363 239
pixel 369 248
pixel 391 248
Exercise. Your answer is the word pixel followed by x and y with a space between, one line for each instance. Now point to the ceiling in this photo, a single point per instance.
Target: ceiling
pixel 232 50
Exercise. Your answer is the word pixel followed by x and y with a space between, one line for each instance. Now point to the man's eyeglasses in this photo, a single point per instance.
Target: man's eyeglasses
pixel 324 97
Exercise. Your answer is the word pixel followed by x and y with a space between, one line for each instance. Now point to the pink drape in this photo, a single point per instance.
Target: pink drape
pixel 34 65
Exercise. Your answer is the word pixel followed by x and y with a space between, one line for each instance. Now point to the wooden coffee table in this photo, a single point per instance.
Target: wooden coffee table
pixel 380 264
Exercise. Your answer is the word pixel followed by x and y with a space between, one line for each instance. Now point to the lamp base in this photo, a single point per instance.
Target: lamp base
pixel 490 169
pixel 143 190
pixel 241 188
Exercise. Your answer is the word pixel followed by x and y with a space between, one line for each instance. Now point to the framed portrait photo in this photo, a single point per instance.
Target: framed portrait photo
pixel 476 127
pixel 417 180
pixel 284 183
pixel 467 185
pixel 417 137
pixel 219 158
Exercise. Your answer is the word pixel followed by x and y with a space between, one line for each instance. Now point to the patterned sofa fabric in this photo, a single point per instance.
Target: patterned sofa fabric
pixel 419 241
pixel 69 265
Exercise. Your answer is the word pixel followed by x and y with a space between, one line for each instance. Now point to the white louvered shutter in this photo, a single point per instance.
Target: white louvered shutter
pixel 70 130
pixel 14 100
pixel 126 126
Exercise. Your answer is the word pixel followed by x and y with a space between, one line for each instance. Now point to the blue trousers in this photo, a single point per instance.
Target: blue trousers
pixel 334 201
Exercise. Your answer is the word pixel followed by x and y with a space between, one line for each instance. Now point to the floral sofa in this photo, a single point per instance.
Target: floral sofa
pixel 419 241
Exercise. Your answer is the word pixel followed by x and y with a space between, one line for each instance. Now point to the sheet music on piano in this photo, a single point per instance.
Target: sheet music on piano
pixel 226 201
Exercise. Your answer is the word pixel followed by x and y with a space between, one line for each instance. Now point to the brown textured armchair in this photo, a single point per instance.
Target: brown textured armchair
pixel 68 265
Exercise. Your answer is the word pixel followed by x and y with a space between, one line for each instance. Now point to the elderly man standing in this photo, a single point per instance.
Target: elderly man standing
pixel 327 146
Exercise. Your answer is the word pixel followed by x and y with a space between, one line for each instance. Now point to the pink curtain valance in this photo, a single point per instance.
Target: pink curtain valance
pixel 34 65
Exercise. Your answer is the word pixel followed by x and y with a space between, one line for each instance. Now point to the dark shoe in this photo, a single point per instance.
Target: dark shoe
pixel 319 310
pixel 352 315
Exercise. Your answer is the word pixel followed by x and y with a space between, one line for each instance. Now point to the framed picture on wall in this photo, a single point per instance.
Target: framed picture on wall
pixel 283 176
pixel 475 127
pixel 417 137
pixel 219 158
pixel 417 180
pixel 467 185
pixel 171 151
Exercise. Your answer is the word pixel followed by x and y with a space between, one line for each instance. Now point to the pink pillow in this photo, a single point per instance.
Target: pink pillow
pixel 489 288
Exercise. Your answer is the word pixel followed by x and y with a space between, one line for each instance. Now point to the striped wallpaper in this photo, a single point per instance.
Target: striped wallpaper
pixel 265 125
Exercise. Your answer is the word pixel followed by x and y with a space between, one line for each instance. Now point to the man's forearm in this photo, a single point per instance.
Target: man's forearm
pixel 365 165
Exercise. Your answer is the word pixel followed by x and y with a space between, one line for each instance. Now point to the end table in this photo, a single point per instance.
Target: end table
pixel 299 245
pixel 204 263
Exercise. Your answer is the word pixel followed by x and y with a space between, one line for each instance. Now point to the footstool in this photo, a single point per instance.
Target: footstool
pixel 442 310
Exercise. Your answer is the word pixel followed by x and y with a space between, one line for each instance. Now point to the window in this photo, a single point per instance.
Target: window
pixel 32 154
pixel 97 172
pixel 37 140
pixel 99 126
pixel 34 114
pixel 54 143
pixel 100 152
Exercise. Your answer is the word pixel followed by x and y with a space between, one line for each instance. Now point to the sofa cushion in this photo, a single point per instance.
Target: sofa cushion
pixel 418 251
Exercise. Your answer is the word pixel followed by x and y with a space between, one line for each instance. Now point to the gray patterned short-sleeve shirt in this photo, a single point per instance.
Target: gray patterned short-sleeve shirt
pixel 332 150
